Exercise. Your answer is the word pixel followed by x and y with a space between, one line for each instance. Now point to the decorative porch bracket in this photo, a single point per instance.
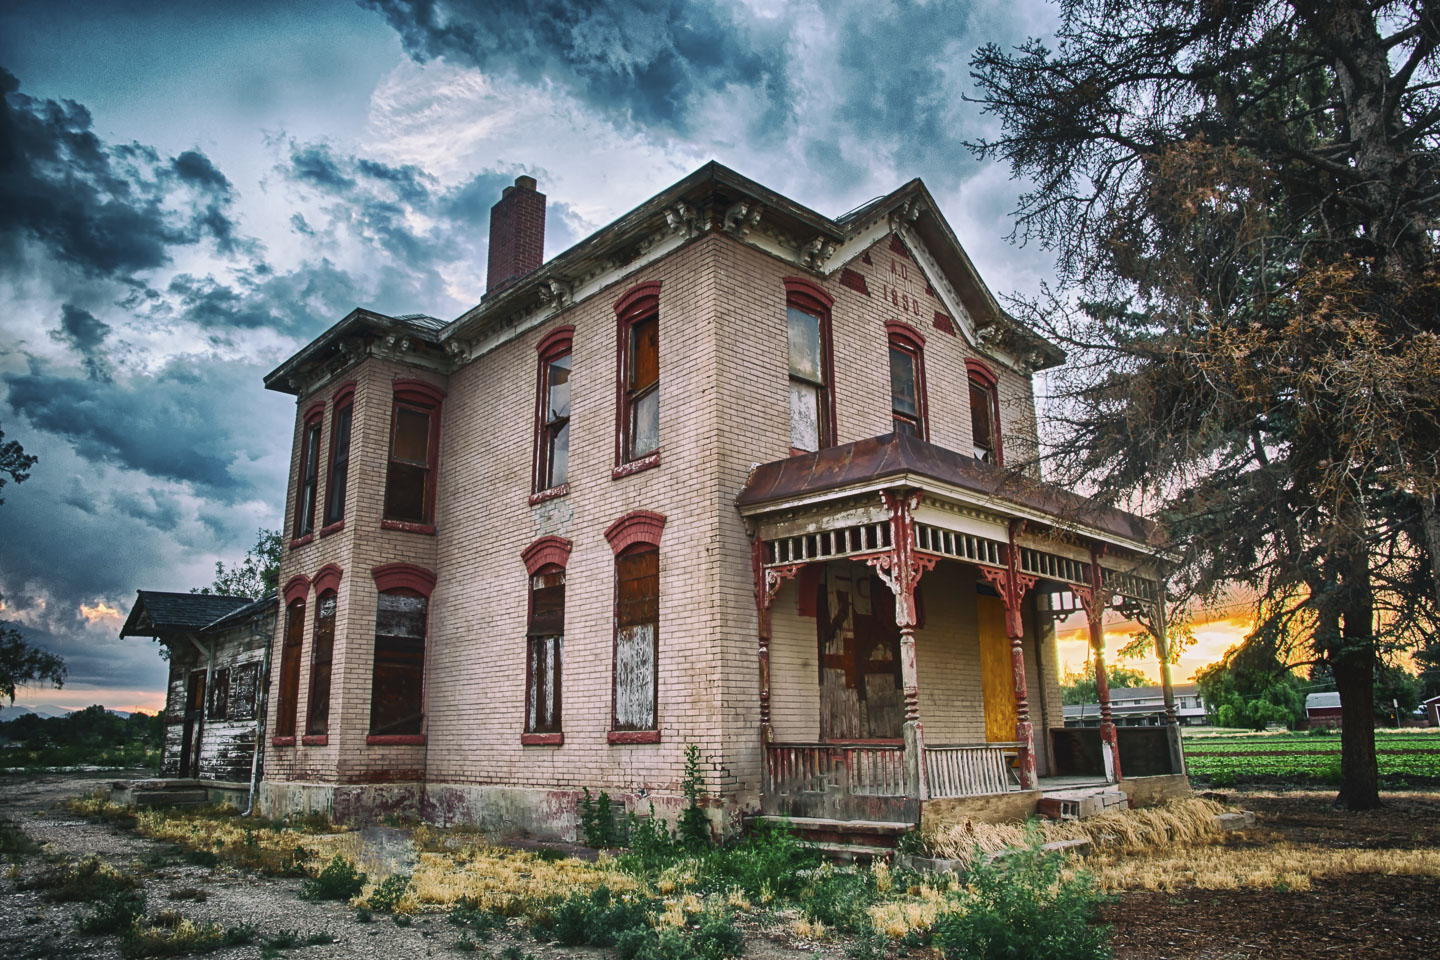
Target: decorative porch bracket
pixel 1093 599
pixel 768 581
pixel 901 568
pixel 1012 585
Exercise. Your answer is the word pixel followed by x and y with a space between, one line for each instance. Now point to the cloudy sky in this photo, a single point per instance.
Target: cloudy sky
pixel 191 191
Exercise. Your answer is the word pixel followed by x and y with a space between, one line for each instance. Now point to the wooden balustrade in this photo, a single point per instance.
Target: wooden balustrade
pixel 868 770
pixel 970 769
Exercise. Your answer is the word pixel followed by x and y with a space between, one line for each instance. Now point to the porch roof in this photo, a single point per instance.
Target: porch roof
pixel 895 455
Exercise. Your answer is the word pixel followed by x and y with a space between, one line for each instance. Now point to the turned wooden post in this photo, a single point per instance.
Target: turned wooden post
pixel 1094 602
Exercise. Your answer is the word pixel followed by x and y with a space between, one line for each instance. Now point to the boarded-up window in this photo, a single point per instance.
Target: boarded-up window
pixel 555 423
pixel 637 620
pixel 220 695
pixel 244 691
pixel 642 388
pixel 288 696
pixel 982 421
pixel 309 479
pixel 339 465
pixel 407 482
pixel 808 405
pixel 545 644
pixel 397 685
pixel 318 722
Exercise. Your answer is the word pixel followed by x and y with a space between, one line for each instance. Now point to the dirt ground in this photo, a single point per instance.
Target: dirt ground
pixel 1357 917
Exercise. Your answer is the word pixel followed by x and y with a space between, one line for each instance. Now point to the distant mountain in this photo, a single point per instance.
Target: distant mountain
pixel 46 710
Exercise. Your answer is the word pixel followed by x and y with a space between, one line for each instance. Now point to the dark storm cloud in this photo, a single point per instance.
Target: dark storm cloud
pixel 106 662
pixel 110 211
pixel 170 425
pixel 86 333
pixel 642 59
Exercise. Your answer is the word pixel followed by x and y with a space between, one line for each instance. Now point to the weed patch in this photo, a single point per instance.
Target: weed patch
pixel 14 842
pixel 90 879
pixel 115 914
pixel 338 881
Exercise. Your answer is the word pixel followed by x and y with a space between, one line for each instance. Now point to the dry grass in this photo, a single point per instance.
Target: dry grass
pixel 1128 831
pixel 508 882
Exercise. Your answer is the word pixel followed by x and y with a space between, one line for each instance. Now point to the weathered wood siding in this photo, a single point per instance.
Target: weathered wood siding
pixel 227 738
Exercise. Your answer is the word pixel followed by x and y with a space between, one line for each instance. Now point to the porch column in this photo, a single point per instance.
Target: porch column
pixel 1094 601
pixel 901 568
pixel 767 583
pixel 1167 686
pixel 1012 585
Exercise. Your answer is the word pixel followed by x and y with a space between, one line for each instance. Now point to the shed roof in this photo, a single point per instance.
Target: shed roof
pixel 1322 701
pixel 156 612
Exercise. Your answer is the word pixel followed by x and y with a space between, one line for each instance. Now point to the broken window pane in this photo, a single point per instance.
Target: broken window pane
pixel 559 406
pixel 408 477
pixel 244 682
pixel 804 334
pixel 804 417
pixel 309 473
pixel 559 456
pixel 555 468
pixel 318 722
pixel 645 425
pixel 397 685
pixel 982 431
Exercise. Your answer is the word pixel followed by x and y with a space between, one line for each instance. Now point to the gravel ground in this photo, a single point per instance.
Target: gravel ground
pixel 32 929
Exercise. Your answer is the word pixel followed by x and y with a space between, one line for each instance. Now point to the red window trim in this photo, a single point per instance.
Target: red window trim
pixel 980 371
pixel 636 466
pixel 907 338
pixel 638 302
pixel 314 417
pixel 634 736
pixel 551 551
pixel 335 527
pixel 403 576
pixel 811 297
pixel 327 578
pixel 282 741
pixel 395 739
pixel 425 394
pixel 315 740
pixel 637 526
pixel 541 739
pixel 554 345
pixel 296 588
pixel 345 393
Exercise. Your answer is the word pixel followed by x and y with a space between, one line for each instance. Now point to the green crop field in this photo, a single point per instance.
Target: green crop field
pixel 1405 758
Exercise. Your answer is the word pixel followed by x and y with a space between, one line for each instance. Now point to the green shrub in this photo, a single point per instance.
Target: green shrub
pixel 338 881
pixel 476 919
pixel 770 859
pixel 169 934
pixel 1023 907
pixel 597 820
pixel 90 879
pixel 717 936
pixel 15 842
pixel 597 918
pixel 652 845
pixel 694 826
pixel 116 913
pixel 840 899
pixel 388 893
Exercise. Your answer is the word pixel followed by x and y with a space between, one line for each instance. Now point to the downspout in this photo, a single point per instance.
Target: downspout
pixel 261 712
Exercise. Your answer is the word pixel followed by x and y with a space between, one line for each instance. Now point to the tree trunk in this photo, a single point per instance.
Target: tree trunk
pixel 1430 510
pixel 1354 667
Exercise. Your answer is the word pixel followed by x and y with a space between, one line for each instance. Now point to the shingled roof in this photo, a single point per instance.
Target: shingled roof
pixel 157 612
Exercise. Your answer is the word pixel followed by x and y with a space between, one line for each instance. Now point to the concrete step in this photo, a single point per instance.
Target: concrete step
pixel 850 841
pixel 171 798
pixel 860 853
pixel 1079 804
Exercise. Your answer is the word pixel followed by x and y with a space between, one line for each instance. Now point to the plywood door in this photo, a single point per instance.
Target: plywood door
pixel 996 676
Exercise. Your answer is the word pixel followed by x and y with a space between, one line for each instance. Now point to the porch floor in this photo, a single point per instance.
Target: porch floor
pixel 1072 783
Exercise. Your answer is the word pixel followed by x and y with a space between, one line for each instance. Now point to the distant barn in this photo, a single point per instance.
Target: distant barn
pixel 1322 709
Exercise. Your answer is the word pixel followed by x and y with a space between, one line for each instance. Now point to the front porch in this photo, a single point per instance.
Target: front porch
pixel 907 600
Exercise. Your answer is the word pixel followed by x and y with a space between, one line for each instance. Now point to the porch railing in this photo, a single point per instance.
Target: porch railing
pixel 969 769
pixel 871 770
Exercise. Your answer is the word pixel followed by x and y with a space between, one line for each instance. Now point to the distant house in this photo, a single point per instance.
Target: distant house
pixel 217 649
pixel 1431 710
pixel 1141 707
pixel 1322 709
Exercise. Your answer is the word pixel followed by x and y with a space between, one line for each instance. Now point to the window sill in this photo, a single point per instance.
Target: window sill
pixel 316 740
pixel 636 466
pixel 301 541
pixel 541 739
pixel 396 740
pixel 282 741
pixel 554 493
pixel 426 528
pixel 335 527
pixel 634 736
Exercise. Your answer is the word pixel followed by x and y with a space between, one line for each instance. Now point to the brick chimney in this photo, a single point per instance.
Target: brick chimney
pixel 517 234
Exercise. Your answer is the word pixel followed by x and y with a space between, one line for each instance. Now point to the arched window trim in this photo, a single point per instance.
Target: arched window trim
pixel 296 588
pixel 636 527
pixel 904 337
pixel 327 578
pixel 403 576
pixel 809 296
pixel 549 551
pixel 638 303
pixel 980 370
pixel 345 393
pixel 554 345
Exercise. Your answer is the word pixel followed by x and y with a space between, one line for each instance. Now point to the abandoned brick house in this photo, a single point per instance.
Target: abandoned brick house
pixel 216 648
pixel 728 473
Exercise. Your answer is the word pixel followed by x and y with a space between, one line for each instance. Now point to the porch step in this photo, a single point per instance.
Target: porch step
pixel 1079 804
pixel 845 840
pixel 172 798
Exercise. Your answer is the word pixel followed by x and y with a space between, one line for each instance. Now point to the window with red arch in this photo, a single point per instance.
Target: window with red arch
pixel 339 472
pixel 287 693
pixel 811 365
pixel 305 498
pixel 638 364
pixel 635 538
pixel 545 643
pixel 414 451
pixel 552 418
pixel 984 413
pixel 907 380
pixel 317 723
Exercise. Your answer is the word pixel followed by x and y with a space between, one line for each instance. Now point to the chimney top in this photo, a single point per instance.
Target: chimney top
pixel 517 234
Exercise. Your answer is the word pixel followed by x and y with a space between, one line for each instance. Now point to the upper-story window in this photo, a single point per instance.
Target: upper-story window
pixel 907 380
pixel 339 457
pixel 321 659
pixel 984 413
pixel 309 472
pixel 552 429
pixel 545 642
pixel 807 323
pixel 638 313
pixel 414 446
